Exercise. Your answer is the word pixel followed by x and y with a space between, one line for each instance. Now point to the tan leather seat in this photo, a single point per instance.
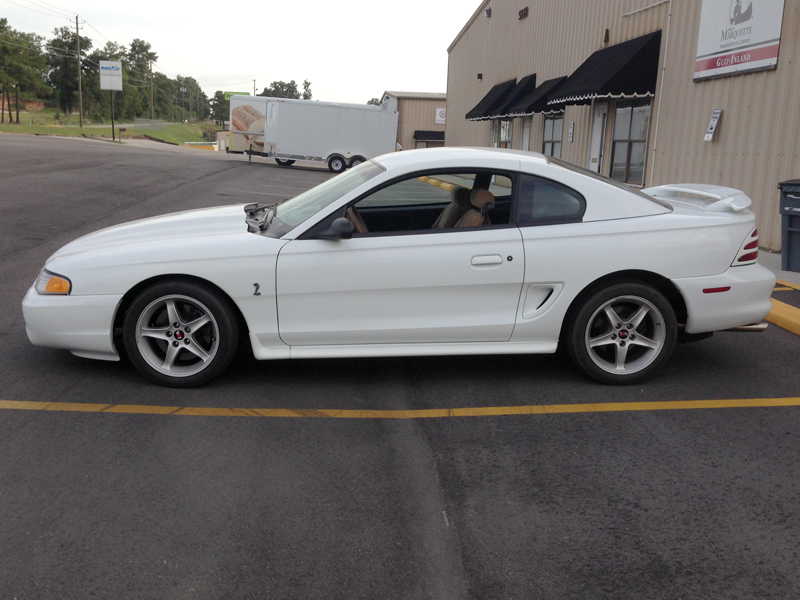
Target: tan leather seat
pixel 459 205
pixel 482 201
pixel 355 220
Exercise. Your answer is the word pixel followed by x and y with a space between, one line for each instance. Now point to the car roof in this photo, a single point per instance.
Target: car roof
pixel 426 156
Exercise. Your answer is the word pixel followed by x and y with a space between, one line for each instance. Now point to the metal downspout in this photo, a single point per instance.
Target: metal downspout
pixel 660 93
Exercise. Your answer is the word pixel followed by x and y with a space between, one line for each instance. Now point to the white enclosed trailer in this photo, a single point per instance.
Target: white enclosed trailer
pixel 340 135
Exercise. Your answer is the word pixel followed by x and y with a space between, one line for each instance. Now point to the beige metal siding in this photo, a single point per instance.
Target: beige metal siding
pixel 416 114
pixel 756 144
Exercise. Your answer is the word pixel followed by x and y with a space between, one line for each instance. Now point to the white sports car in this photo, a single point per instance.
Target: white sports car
pixel 446 251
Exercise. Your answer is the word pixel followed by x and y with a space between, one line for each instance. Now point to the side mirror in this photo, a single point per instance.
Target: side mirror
pixel 340 229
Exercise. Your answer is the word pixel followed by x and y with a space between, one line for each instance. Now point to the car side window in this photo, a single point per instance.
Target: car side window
pixel 545 202
pixel 435 202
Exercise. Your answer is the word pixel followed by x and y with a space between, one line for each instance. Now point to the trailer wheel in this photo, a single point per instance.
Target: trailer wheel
pixel 336 164
pixel 356 160
pixel 284 162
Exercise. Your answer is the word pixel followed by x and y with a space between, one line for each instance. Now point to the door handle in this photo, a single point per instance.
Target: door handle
pixel 492 259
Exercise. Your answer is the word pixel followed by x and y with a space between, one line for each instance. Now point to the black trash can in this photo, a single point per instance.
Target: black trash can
pixel 790 228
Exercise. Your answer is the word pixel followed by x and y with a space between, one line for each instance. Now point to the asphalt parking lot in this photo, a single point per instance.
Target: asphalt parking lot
pixel 686 501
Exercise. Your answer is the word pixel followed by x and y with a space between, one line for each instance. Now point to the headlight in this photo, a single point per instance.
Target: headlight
pixel 49 283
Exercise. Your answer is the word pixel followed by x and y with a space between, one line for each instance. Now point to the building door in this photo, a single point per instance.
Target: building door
pixel 597 141
pixel 526 133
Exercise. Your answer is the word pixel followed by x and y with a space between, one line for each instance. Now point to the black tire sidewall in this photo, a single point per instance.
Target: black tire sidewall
pixel 333 160
pixel 576 346
pixel 216 304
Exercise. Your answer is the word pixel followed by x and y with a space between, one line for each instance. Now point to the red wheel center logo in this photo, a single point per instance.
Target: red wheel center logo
pixel 623 334
pixel 178 335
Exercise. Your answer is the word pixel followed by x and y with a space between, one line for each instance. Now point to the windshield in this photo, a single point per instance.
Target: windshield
pixel 297 210
pixel 605 179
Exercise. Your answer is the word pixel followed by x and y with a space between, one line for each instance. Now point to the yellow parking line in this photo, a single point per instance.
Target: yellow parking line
pixel 785 316
pixel 433 413
pixel 788 284
pixel 783 289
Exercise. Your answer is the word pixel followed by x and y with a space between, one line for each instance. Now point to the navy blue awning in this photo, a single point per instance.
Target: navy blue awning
pixel 626 70
pixel 495 98
pixel 536 101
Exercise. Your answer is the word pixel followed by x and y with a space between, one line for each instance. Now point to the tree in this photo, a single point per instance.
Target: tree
pixel 306 90
pixel 61 58
pixel 281 89
pixel 374 102
pixel 22 65
pixel 220 108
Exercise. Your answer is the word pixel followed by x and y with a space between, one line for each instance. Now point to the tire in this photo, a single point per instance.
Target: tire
pixel 623 334
pixel 197 350
pixel 284 162
pixel 336 164
pixel 356 160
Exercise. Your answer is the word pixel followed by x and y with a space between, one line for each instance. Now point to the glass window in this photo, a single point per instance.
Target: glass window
pixel 553 131
pixel 433 202
pixel 629 149
pixel 295 211
pixel 545 202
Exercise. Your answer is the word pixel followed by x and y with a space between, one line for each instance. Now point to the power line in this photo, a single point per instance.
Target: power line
pixel 40 12
pixel 51 8
pixel 28 24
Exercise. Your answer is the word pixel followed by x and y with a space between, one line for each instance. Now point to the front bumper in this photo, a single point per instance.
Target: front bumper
pixel 747 301
pixel 81 324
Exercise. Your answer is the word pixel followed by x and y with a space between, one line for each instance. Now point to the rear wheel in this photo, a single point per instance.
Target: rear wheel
pixel 180 334
pixel 336 164
pixel 623 334
pixel 357 161
pixel 284 162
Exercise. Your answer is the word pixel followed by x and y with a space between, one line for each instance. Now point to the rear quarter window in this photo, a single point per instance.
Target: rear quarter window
pixel 545 202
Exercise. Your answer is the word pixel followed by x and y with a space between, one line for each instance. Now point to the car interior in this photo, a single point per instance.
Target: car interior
pixel 437 202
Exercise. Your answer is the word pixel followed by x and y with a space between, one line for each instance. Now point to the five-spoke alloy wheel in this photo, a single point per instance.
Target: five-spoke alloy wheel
pixel 623 333
pixel 180 334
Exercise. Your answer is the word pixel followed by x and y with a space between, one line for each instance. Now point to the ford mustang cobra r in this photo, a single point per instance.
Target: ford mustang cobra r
pixel 445 251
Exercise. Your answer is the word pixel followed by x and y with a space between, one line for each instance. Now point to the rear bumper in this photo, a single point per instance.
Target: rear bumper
pixel 81 324
pixel 747 301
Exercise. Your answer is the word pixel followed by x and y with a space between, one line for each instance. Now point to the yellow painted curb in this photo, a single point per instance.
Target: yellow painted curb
pixel 785 316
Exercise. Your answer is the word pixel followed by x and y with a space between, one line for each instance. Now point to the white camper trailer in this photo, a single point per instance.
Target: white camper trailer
pixel 340 135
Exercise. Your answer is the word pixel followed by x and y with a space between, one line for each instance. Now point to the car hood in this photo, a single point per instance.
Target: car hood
pixel 200 223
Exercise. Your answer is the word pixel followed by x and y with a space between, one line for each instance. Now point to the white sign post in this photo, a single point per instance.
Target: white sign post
pixel 738 36
pixel 111 79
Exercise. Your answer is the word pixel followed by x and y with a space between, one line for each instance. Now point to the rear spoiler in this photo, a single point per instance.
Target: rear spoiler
pixel 713 198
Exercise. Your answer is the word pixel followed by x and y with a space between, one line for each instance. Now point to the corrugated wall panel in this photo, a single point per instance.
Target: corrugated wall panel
pixel 417 114
pixel 756 144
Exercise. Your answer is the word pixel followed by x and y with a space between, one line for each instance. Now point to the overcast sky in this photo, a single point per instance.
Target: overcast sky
pixel 350 51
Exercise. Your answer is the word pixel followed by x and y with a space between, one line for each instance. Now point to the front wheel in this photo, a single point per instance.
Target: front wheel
pixel 336 164
pixel 180 334
pixel 623 334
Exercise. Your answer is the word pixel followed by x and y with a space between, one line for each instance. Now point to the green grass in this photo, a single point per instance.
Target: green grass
pixel 44 124
pixel 178 133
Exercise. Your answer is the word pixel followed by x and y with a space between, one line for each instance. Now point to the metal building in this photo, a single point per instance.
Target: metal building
pixel 648 92
pixel 422 118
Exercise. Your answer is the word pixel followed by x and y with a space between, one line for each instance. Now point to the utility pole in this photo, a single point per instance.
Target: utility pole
pixel 152 112
pixel 80 92
pixel 254 87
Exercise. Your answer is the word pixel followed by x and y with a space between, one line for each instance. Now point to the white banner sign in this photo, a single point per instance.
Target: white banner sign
pixel 441 113
pixel 738 36
pixel 111 75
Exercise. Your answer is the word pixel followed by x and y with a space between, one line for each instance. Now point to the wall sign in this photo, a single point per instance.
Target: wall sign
pixel 441 113
pixel 738 36
pixel 571 130
pixel 712 125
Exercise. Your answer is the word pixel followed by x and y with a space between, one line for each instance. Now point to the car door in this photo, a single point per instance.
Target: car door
pixel 452 285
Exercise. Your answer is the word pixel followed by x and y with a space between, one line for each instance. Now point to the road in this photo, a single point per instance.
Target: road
pixel 647 504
